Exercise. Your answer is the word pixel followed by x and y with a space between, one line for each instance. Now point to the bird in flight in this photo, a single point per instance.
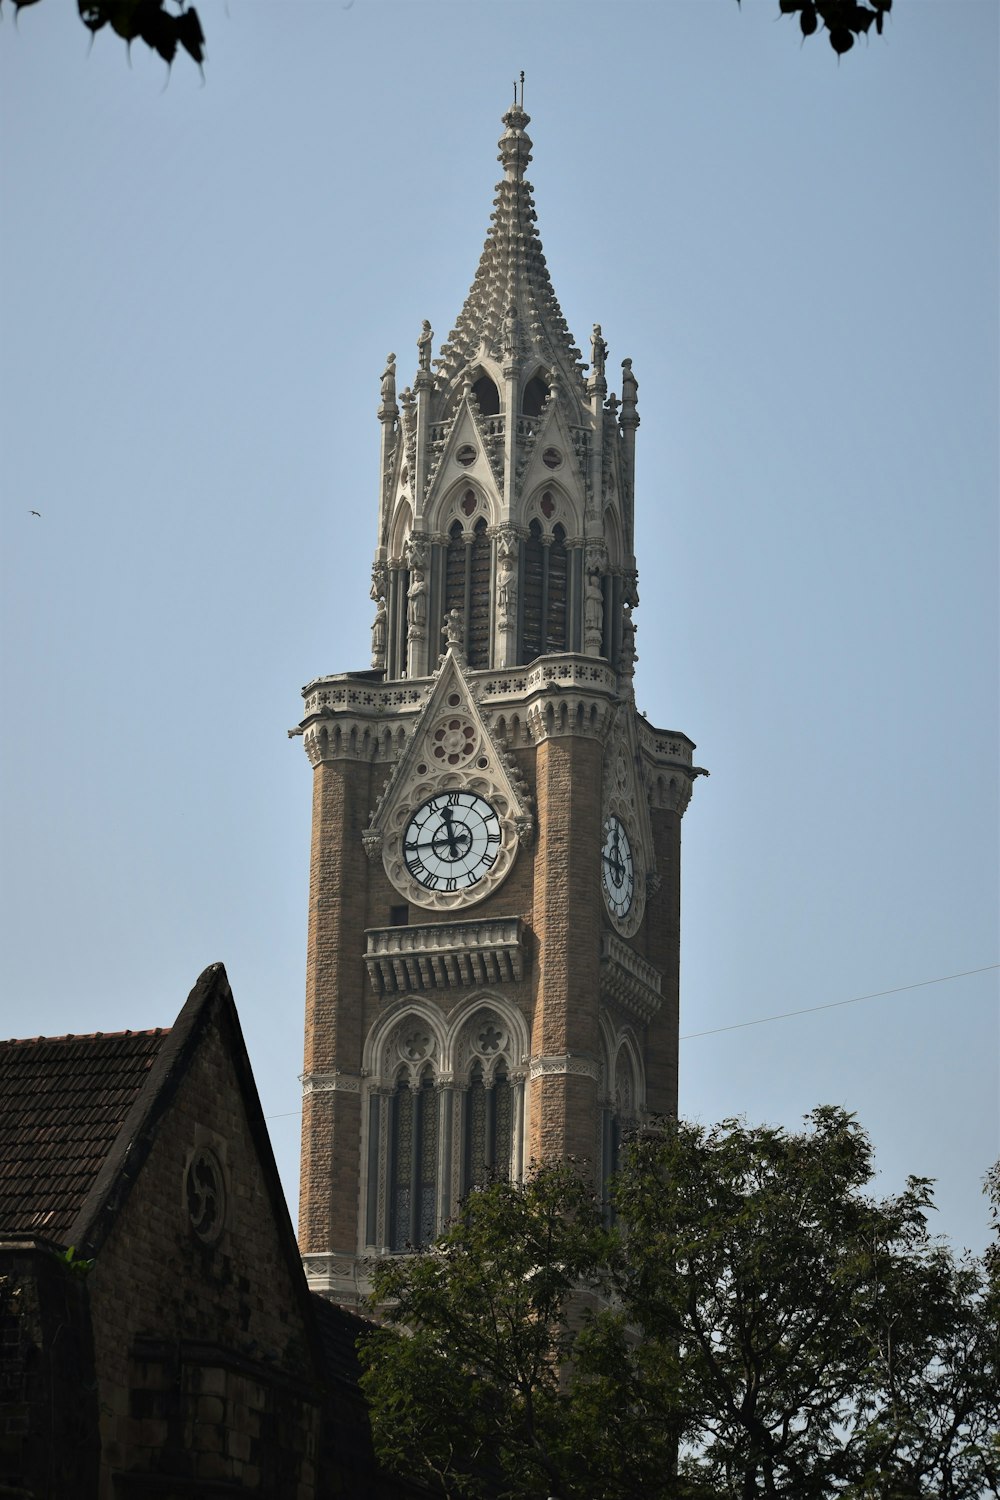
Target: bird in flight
pixel 36 513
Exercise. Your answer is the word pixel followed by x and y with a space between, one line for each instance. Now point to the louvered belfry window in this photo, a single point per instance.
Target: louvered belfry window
pixel 545 573
pixel 488 1129
pixel 454 570
pixel 413 1160
pixel 534 562
pixel 477 640
pixel 555 615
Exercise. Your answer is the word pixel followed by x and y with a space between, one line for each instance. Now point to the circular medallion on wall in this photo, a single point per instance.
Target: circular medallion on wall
pixel 205 1195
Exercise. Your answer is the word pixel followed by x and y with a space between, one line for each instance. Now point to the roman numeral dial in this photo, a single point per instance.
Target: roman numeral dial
pixel 452 841
pixel 617 868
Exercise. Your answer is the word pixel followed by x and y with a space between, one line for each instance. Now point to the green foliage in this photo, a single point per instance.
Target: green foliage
pixel 471 1391
pixel 143 20
pixel 842 19
pixel 75 1263
pixel 755 1324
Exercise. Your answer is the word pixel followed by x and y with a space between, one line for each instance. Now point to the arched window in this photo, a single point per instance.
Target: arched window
pixel 477 637
pixel 467 582
pixel 454 571
pixel 555 614
pixel 536 393
pixel 544 582
pixel 534 563
pixel 487 395
pixel 488 1128
pixel 413 1157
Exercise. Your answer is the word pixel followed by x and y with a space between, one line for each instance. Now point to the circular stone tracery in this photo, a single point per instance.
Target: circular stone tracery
pixel 205 1194
pixel 453 741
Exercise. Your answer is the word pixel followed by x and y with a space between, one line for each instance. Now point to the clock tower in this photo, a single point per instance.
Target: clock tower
pixel 494 902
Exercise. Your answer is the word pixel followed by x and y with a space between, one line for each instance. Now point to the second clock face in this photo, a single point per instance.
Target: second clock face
pixel 617 868
pixel 451 841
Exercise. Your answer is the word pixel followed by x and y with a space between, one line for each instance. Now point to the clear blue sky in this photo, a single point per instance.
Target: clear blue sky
pixel 199 286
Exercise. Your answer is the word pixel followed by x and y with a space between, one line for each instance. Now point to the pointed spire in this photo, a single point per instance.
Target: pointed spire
pixel 512 295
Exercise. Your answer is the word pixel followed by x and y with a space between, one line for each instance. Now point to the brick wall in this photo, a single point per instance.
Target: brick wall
pixel 205 1367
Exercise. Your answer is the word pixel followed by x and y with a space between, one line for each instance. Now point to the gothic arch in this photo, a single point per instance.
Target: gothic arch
pixel 402 525
pixel 390 1047
pixel 563 510
pixel 451 507
pixel 613 538
pixel 463 1047
pixel 628 1079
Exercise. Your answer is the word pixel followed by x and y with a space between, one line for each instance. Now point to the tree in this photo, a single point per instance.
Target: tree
pixel 753 1324
pixel 143 20
pixel 843 19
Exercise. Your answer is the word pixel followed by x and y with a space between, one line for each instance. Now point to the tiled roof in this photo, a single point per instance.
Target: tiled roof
pixel 62 1103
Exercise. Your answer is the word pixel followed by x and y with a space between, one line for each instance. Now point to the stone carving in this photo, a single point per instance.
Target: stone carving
pixel 593 614
pixel 453 630
pixel 508 547
pixel 379 633
pixel 416 604
pixel 424 343
pixel 388 402
pixel 598 353
pixel 630 390
pixel 629 656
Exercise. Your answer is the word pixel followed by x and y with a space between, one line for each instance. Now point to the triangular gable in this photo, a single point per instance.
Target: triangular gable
pixel 552 432
pixel 209 1012
pixel 466 429
pixel 452 696
pixel 451 750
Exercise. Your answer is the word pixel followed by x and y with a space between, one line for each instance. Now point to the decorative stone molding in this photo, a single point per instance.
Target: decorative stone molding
pixel 627 980
pixel 337 1081
pixel 451 751
pixel 564 1065
pixel 445 955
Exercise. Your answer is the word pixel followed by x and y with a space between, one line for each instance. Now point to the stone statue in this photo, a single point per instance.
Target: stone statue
pixel 379 634
pixel 416 608
pixel 598 352
pixel 630 386
pixel 629 657
pixel 389 381
pixel 593 615
pixel 424 342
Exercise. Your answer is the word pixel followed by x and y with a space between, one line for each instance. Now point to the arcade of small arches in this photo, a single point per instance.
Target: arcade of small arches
pixel 447 1106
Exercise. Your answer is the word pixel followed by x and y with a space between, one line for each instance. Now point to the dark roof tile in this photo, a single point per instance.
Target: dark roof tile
pixel 62 1103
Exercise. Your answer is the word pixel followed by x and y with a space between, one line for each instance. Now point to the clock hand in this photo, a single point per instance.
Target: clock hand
pixel 452 845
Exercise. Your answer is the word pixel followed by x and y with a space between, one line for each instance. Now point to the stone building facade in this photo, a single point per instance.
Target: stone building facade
pixel 157 1334
pixel 493 942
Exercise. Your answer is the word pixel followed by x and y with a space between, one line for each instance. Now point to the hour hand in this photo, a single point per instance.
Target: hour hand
pixel 452 843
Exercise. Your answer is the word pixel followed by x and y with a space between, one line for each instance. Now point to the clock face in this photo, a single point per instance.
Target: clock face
pixel 451 841
pixel 617 868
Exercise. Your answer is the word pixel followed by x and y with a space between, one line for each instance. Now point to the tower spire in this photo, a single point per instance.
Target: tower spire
pixel 512 280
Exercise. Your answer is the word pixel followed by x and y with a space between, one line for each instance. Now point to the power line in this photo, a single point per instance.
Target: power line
pixel 833 1004
pixel 786 1015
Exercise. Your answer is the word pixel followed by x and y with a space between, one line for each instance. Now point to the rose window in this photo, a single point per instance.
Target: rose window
pixel 453 741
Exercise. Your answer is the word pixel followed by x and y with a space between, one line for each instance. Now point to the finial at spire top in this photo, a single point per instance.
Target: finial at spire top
pixel 515 146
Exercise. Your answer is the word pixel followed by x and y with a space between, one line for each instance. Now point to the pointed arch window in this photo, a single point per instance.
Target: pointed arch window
pixel 487 395
pixel 545 583
pixel 555 614
pixel 534 564
pixel 477 639
pixel 488 1129
pixel 454 569
pixel 536 393
pixel 413 1156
